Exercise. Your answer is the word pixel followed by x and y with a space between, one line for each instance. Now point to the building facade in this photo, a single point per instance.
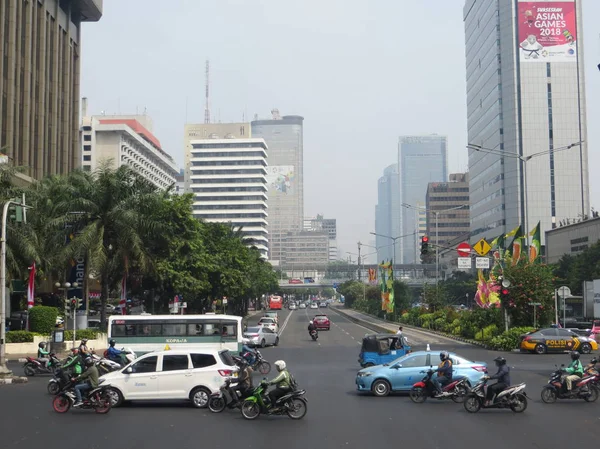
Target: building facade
pixel 305 249
pixel 571 239
pixel 328 225
pixel 525 101
pixel 447 205
pixel 387 215
pixel 284 138
pixel 228 178
pixel 40 66
pixel 421 160
pixel 126 140
pixel 180 182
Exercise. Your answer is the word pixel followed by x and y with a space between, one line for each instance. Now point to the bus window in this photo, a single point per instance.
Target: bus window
pixel 194 329
pixel 212 328
pixel 229 328
pixel 174 329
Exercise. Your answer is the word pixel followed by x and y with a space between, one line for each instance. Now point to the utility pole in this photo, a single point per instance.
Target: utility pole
pixel 359 260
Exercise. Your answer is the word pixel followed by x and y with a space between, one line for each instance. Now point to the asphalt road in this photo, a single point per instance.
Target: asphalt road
pixel 337 416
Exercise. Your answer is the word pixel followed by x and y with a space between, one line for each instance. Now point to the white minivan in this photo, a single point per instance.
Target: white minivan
pixel 166 375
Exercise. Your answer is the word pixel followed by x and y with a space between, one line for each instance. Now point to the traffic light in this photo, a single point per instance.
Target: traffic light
pixel 73 303
pixel 424 245
pixel 15 213
pixel 504 296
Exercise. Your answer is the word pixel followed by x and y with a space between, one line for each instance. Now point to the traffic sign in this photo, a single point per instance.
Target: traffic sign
pixel 464 263
pixel 482 247
pixel 464 249
pixel 535 303
pixel 482 263
pixel 564 291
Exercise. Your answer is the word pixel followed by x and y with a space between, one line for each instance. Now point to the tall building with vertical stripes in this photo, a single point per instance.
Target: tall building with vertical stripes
pixel 526 114
pixel 40 61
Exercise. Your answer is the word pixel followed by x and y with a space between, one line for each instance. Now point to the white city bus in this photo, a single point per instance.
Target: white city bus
pixel 147 333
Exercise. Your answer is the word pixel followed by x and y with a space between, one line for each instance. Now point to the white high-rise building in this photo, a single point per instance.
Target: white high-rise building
pixel 525 101
pixel 228 178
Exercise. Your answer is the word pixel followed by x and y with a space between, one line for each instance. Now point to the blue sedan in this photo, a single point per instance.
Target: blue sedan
pixel 404 372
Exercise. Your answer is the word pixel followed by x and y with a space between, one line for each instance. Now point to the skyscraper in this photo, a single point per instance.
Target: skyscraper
pixel 284 138
pixel 525 96
pixel 40 62
pixel 421 160
pixel 387 214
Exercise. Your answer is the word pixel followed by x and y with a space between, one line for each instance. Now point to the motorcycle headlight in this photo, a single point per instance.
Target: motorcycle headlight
pixel 365 374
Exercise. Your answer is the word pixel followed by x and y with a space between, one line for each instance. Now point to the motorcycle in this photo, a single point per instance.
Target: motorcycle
pixel 456 390
pixel 314 334
pixel 584 388
pixel 130 356
pixel 513 397
pixel 226 397
pixel 292 404
pixel 60 379
pixel 105 365
pixel 260 364
pixel 34 366
pixel 96 399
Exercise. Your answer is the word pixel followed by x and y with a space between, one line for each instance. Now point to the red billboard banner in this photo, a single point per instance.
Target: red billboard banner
pixel 547 31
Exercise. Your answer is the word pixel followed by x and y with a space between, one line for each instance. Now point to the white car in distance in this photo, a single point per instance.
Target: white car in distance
pixel 268 323
pixel 261 336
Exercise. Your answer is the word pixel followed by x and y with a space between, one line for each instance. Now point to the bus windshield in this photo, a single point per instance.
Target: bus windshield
pixel 144 334
pixel 275 302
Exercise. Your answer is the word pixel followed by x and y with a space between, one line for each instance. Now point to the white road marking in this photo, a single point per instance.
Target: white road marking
pixel 284 325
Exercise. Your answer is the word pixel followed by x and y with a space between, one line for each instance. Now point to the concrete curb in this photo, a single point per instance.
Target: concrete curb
pixel 13 380
pixel 408 326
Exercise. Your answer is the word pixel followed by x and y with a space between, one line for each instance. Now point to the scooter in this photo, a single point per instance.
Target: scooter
pixel 584 388
pixel 293 404
pixel 513 397
pixel 259 364
pixel 226 397
pixel 456 390
pixel 97 399
pixel 60 380
pixel 314 334
pixel 34 366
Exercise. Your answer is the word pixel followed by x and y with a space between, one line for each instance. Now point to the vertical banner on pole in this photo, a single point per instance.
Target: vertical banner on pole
pixel 30 291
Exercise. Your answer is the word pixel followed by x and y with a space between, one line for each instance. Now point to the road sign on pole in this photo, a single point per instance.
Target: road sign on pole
pixel 464 263
pixel 482 263
pixel 464 249
pixel 482 247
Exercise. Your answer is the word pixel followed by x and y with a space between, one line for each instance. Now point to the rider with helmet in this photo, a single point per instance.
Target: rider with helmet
pixel 83 349
pixel 444 372
pixel 503 377
pixel 244 380
pixel 574 370
pixel 74 361
pixel 114 354
pixel 311 326
pixel 282 383
pixel 42 354
pixel 90 380
pixel 248 353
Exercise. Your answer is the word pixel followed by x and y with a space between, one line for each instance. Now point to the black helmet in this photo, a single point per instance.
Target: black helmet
pixel 84 341
pixel 574 355
pixel 42 345
pixel 444 355
pixel 112 342
pixel 89 361
pixel 500 361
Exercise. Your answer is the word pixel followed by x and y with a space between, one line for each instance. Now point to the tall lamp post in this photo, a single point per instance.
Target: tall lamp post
pixel 393 239
pixel 524 160
pixel 66 287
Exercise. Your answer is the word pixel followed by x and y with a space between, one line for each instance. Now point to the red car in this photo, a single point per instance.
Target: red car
pixel 321 322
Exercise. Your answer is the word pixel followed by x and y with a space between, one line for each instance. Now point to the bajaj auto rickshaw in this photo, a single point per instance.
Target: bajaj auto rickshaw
pixel 378 349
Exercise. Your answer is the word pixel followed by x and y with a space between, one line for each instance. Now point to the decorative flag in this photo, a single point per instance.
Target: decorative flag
pixel 513 232
pixel 372 275
pixel 386 282
pixel 534 248
pixel 123 301
pixel 517 246
pixel 498 243
pixel 487 292
pixel 31 287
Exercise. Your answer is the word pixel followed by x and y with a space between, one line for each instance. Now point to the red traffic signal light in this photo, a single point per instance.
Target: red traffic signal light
pixel 425 239
pixel 504 291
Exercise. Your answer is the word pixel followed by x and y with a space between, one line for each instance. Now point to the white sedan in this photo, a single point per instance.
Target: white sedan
pixel 261 336
pixel 314 305
pixel 269 323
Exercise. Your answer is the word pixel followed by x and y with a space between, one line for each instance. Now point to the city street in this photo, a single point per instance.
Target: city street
pixel 337 416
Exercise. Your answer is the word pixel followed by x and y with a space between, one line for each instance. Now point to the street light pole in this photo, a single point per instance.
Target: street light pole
pixel 4 371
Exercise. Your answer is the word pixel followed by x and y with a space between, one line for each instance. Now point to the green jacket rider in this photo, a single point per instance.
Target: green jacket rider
pixel 575 367
pixel 282 383
pixel 75 361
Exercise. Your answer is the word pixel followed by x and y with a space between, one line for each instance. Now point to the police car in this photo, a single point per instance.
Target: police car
pixel 552 339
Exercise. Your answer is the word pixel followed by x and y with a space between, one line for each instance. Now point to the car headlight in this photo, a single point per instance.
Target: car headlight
pixel 365 374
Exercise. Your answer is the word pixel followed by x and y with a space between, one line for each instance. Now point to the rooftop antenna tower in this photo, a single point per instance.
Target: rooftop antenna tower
pixel 206 107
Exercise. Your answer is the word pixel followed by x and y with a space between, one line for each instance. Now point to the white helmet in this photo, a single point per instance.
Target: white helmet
pixel 310 322
pixel 280 364
pixel 245 341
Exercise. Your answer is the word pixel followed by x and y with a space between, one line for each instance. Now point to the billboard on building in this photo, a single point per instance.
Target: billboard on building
pixel 280 178
pixel 596 298
pixel 547 31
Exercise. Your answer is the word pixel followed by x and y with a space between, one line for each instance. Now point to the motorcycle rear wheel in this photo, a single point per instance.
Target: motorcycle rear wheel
pixel 103 404
pixel 29 371
pixel 593 396
pixel 53 388
pixel 216 404
pixel 417 395
pixel 264 367
pixel 460 393
pixel 472 404
pixel 61 404
pixel 519 403
pixel 250 410
pixel 296 408
pixel 548 395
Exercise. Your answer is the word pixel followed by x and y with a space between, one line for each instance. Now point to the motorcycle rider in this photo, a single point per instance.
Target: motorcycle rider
pixel 43 355
pixel 90 380
pixel 244 381
pixel 311 328
pixel 248 353
pixel 115 354
pixel 282 382
pixel 83 349
pixel 503 376
pixel 75 361
pixel 574 370
pixel 444 373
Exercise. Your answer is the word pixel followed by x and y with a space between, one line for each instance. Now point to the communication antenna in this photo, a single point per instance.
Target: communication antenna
pixel 206 106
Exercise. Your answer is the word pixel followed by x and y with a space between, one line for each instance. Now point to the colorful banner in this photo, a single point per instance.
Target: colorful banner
pixel 31 287
pixel 547 31
pixel 487 291
pixel 280 179
pixel 516 247
pixel 386 283
pixel 372 276
pixel 534 248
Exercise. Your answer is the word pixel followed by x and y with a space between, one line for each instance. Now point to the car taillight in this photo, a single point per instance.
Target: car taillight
pixel 527 338
pixel 225 372
pixel 481 369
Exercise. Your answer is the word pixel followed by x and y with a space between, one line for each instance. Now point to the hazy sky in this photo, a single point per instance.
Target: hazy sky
pixel 361 73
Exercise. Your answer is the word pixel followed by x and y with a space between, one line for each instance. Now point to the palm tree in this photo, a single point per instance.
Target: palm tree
pixel 111 211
